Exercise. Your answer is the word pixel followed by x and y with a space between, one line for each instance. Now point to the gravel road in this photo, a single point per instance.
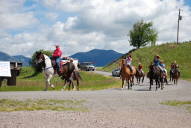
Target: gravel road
pixel 111 108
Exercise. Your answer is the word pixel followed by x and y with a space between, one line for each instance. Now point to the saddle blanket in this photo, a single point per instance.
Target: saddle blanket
pixel 5 69
pixel 74 61
pixel 62 62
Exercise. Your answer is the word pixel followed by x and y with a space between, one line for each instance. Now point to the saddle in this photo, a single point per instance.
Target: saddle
pixel 130 68
pixel 139 71
pixel 156 68
pixel 55 66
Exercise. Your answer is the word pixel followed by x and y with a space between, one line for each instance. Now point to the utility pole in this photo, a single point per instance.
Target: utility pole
pixel 179 18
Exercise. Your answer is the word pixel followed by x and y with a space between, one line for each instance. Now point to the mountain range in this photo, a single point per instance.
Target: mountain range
pixel 97 56
pixel 19 58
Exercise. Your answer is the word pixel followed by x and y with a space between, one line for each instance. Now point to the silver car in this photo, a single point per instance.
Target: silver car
pixel 116 72
pixel 87 66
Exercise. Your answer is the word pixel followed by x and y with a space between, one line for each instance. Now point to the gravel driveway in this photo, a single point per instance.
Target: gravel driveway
pixel 112 108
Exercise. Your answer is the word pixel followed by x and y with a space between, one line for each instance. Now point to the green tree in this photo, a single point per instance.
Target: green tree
pixel 142 34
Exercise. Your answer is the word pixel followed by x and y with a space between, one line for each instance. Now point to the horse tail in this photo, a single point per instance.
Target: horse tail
pixel 77 75
pixel 71 67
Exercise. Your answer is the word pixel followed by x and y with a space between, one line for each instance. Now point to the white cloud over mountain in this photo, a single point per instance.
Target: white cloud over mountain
pixel 88 24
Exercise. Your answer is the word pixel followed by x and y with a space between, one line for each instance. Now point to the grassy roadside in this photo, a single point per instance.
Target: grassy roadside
pixel 9 105
pixel 90 81
pixel 186 104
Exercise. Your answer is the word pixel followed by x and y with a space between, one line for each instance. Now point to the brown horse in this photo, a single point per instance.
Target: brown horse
pixel 174 75
pixel 126 74
pixel 139 74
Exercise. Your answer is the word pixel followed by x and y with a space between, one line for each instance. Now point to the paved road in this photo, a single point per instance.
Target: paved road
pixel 111 108
pixel 103 73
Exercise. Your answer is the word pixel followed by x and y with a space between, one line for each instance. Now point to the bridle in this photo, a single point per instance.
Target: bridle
pixel 39 58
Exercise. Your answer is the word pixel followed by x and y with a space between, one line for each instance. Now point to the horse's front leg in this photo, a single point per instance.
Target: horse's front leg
pixel 128 83
pixel 49 79
pixel 157 84
pixel 143 78
pixel 151 83
pixel 132 81
pixel 122 83
pixel 46 83
pixel 137 79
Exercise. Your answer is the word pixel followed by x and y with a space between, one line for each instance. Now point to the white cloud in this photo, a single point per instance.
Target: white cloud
pixel 12 17
pixel 16 20
pixel 52 16
pixel 115 18
pixel 10 5
pixel 67 5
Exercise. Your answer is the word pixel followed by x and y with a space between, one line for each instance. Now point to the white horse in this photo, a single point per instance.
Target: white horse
pixel 68 73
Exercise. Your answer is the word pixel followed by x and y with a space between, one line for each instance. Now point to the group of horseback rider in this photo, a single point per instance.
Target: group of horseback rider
pixel 156 62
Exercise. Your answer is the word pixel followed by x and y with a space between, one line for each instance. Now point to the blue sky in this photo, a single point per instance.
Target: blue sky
pixel 188 2
pixel 82 25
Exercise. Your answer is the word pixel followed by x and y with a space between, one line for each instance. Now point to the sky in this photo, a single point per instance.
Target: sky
pixel 82 25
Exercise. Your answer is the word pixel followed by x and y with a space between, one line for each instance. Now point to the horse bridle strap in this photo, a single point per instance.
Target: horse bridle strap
pixel 48 67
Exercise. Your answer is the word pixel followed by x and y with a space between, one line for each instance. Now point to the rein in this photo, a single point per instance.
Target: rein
pixel 48 67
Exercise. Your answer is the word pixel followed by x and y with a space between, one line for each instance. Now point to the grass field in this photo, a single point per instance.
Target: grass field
pixel 186 104
pixel 90 81
pixel 8 105
pixel 168 53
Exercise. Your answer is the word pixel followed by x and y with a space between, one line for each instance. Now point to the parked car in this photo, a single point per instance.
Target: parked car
pixel 87 66
pixel 116 72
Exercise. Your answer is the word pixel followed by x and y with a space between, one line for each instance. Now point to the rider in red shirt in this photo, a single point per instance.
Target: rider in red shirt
pixel 56 55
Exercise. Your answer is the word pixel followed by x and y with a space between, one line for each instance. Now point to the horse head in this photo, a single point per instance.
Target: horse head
pixel 39 60
pixel 39 57
pixel 123 63
pixel 151 67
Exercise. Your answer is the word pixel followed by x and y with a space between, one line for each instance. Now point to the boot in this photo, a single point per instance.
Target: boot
pixel 131 70
pixel 58 72
pixel 55 71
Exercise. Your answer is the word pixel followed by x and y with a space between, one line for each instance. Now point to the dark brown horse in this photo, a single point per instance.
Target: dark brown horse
pixel 139 74
pixel 174 75
pixel 67 71
pixel 126 74
pixel 156 74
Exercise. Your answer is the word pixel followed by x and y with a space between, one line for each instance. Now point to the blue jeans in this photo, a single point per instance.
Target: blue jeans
pixel 58 62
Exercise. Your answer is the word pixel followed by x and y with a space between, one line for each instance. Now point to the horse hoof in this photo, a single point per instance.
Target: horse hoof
pixel 52 86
